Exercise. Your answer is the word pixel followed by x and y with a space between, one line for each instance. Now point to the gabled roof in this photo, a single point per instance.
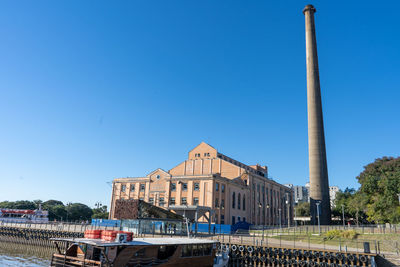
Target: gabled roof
pixel 202 144
pixel 159 169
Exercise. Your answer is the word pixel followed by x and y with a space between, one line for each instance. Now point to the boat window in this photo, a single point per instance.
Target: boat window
pixel 207 249
pixel 140 253
pixel 186 250
pixel 164 252
pixel 96 254
pixel 196 250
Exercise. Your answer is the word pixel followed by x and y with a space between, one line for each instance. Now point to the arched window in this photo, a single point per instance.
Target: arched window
pixel 244 202
pixel 233 200
pixel 239 201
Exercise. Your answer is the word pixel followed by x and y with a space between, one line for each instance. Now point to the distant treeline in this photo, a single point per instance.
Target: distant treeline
pixel 58 211
pixel 376 201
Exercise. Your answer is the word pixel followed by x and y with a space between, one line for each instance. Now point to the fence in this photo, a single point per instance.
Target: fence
pixel 67 227
pixel 362 229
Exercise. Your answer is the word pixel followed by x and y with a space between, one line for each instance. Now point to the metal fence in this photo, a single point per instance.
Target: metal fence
pixel 60 226
pixel 362 229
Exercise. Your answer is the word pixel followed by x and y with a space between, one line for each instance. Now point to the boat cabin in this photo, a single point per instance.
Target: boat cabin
pixel 137 252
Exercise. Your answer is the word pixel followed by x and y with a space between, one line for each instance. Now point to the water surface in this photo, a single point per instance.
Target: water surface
pixel 23 255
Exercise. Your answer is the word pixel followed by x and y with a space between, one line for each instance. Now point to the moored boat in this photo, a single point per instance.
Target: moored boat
pixel 137 252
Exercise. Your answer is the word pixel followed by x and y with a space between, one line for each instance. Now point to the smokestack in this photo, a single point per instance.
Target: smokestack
pixel 319 184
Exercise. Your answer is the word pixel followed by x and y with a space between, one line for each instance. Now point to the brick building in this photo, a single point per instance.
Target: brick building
pixel 234 191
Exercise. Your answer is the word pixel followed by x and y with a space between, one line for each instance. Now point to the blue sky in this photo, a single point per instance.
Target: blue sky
pixel 94 90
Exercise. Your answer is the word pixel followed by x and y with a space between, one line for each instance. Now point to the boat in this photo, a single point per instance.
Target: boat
pixel 126 252
pixel 24 216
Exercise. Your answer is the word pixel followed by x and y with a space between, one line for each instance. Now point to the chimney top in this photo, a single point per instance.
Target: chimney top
pixel 309 7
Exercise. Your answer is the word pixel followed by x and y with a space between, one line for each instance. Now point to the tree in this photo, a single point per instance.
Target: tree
pixel 100 213
pixel 56 209
pixel 79 212
pixel 302 209
pixel 380 186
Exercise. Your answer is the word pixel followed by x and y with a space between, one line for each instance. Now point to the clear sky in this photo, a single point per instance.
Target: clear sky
pixel 92 90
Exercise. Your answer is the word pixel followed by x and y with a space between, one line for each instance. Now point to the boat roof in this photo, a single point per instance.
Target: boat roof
pixel 138 241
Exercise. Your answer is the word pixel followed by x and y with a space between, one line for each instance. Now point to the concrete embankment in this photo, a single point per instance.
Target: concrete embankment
pixel 35 237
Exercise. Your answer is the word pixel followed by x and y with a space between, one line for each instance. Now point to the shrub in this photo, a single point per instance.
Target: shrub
pixel 331 234
pixel 335 233
pixel 349 234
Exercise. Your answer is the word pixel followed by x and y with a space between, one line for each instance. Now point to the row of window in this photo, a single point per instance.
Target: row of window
pixel 222 203
pixel 142 188
pixel 184 187
pixel 217 187
pixel 197 155
pixel 238 201
pixel 172 201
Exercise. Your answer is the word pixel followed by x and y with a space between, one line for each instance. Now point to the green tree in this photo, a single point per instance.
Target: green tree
pixel 100 213
pixel 7 205
pixel 79 212
pixel 57 210
pixel 302 209
pixel 380 186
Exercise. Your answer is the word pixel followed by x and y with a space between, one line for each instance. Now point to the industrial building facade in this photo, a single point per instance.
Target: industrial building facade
pixel 232 190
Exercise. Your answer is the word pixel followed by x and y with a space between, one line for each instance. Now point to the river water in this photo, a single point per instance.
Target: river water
pixel 23 255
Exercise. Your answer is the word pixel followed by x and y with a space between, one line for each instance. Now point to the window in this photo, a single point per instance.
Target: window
pixel 206 154
pixel 132 187
pixel 142 187
pixel 141 198
pixel 197 155
pixel 123 188
pixel 158 177
pixel 151 200
pixel 244 219
pixel 222 188
pixel 222 219
pixel 183 201
pixel 222 203
pixel 233 200
pixel 244 202
pixel 184 186
pixel 245 182
pixel 238 218
pixel 239 201
pixel 195 201
pixel 172 201
pixel 263 194
pixel 186 250
pixel 161 202
pixel 216 187
pixel 233 219
pixel 196 186
pixel 216 203
pixel 173 187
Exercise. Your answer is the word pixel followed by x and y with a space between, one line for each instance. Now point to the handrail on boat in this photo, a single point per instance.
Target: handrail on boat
pixel 72 261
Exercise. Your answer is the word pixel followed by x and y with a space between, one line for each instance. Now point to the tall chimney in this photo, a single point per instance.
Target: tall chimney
pixel 319 184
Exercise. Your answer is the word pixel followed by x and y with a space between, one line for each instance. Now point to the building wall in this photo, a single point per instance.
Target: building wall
pixel 214 180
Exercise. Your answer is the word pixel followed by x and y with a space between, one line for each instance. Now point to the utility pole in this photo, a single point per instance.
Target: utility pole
pixel 288 214
pixel 343 216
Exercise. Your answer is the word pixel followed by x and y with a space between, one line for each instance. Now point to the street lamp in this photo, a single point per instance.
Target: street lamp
pixel 318 214
pixel 343 215
pixel 288 209
pixel 295 215
pixel 268 217
pixel 280 219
